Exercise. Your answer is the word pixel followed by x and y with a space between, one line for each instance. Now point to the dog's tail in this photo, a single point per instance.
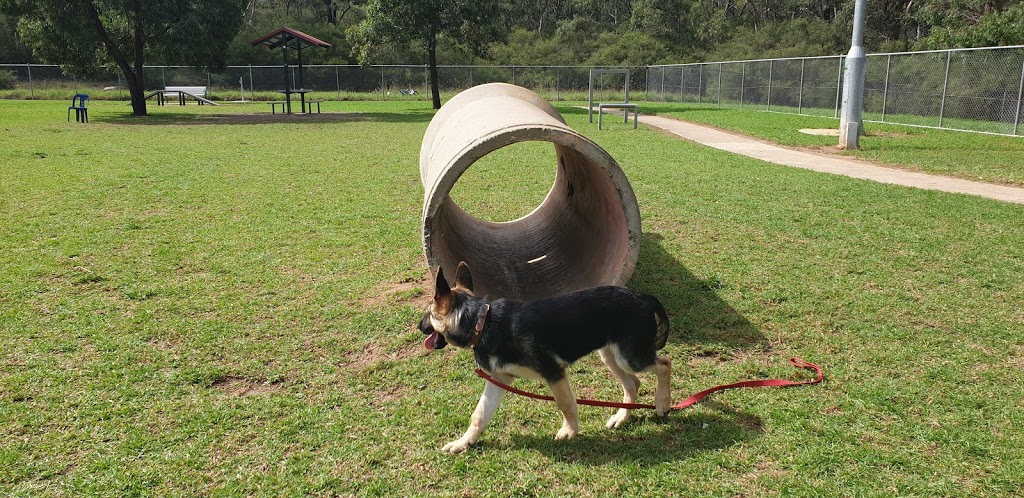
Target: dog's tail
pixel 661 321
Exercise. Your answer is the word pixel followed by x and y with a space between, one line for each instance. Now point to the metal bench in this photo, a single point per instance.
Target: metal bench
pixel 196 92
pixel 273 107
pixel 625 106
pixel 309 105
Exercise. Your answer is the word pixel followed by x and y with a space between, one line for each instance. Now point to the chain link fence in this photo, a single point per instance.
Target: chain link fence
pixel 976 90
pixel 966 89
pixel 33 81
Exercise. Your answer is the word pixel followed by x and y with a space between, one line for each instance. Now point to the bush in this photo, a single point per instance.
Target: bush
pixel 7 79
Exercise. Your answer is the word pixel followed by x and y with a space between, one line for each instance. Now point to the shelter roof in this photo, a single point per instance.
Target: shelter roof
pixel 282 36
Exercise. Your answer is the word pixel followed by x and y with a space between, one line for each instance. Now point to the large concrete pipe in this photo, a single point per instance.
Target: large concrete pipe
pixel 586 232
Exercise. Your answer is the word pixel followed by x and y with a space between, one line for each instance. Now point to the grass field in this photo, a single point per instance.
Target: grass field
pixel 973 156
pixel 215 301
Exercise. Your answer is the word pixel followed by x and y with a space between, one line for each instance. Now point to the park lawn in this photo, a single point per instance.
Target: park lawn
pixel 974 156
pixel 213 301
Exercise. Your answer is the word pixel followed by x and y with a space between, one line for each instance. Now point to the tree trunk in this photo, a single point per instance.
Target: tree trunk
pixel 135 85
pixel 435 92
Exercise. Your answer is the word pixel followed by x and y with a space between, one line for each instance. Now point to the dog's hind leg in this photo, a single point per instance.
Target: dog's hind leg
pixel 566 401
pixel 485 409
pixel 630 385
pixel 662 367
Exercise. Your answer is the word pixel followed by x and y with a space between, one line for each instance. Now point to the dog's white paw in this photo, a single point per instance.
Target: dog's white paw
pixel 565 432
pixel 663 405
pixel 456 447
pixel 618 419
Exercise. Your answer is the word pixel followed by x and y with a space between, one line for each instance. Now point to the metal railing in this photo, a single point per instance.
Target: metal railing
pixel 977 90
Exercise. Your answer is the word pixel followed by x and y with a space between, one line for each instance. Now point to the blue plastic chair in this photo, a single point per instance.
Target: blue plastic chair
pixel 78 104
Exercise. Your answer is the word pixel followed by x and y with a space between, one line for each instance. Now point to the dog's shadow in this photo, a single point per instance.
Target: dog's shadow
pixel 699 317
pixel 648 440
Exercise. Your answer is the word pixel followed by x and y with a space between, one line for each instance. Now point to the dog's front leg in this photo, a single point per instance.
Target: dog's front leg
pixel 566 401
pixel 485 409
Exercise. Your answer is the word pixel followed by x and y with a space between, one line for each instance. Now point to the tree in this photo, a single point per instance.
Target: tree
pixel 86 34
pixel 473 22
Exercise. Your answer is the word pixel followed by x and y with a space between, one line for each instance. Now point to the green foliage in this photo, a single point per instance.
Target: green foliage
pixel 425 22
pixel 188 32
pixel 566 32
pixel 788 38
pixel 526 47
pixel 396 22
pixel 12 50
pixel 85 35
pixel 631 48
pixel 7 79
pixel 992 28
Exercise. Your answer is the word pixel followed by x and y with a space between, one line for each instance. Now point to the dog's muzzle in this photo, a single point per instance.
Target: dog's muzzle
pixel 436 340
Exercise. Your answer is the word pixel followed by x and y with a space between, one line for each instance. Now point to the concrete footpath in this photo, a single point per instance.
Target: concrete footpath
pixel 854 168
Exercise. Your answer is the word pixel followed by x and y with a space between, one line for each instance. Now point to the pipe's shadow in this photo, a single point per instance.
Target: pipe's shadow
pixel 699 317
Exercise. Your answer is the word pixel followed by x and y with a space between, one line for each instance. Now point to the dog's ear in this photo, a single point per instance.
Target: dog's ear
pixel 463 277
pixel 441 288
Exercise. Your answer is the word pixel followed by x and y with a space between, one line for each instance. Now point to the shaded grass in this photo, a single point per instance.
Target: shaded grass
pixel 972 156
pixel 192 308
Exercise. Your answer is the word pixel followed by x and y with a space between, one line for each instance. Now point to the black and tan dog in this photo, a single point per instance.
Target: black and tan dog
pixel 539 339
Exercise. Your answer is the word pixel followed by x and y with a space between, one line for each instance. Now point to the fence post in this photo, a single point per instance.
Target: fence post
pixel 513 75
pixel 625 88
pixel 1020 90
pixel 209 86
pixel 885 88
pixel 700 82
pixel 163 77
pixel 839 86
pixel 800 91
pixel 771 66
pixel 426 81
pixel 31 87
pixel 252 91
pixel 337 80
pixel 743 82
pixel 663 83
pixel 682 70
pixel 720 67
pixel 647 84
pixel 558 74
pixel 945 86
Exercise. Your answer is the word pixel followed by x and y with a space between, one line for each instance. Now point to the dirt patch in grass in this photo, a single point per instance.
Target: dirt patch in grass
pixel 242 119
pixel 238 386
pixel 411 291
pixel 389 395
pixel 374 353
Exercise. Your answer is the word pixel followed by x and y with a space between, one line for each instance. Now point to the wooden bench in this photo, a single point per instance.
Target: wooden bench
pixel 626 106
pixel 273 107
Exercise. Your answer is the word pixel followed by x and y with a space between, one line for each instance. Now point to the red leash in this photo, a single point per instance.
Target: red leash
pixel 692 400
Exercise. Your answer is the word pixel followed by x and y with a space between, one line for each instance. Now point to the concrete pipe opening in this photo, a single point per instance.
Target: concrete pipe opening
pixel 585 233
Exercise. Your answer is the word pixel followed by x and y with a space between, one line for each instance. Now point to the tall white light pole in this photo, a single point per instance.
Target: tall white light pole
pixel 851 123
